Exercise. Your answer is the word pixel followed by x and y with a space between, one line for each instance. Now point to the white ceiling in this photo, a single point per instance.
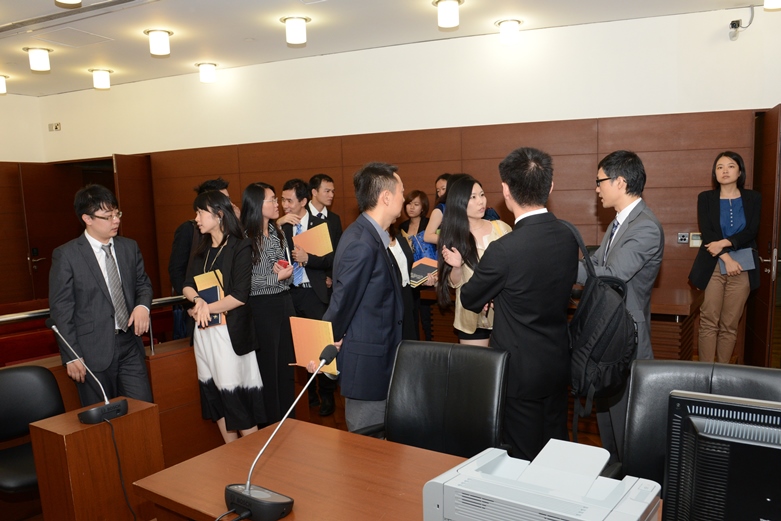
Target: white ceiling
pixel 237 33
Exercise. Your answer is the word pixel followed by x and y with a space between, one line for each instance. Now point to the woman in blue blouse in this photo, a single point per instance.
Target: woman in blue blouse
pixel 270 300
pixel 729 221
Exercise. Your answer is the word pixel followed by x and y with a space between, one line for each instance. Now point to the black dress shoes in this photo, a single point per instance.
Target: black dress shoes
pixel 327 405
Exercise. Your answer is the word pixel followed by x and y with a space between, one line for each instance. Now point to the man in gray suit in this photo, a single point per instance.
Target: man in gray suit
pixel 631 250
pixel 100 295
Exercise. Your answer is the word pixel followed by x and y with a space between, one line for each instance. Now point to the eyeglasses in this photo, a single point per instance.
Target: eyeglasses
pixel 115 215
pixel 272 200
pixel 603 179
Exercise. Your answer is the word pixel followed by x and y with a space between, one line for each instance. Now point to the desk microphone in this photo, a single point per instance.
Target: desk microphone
pixel 264 504
pixel 97 414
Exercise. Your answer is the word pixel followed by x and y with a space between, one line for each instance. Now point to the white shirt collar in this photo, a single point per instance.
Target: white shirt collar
pixel 529 214
pixel 315 211
pixel 97 246
pixel 623 214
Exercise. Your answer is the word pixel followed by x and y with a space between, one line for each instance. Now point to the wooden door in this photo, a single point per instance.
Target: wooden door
pixel 17 285
pixel 133 187
pixel 47 192
pixel 761 304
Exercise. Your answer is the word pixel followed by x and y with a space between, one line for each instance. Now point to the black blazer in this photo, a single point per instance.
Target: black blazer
pixel 529 274
pixel 708 208
pixel 237 276
pixel 317 268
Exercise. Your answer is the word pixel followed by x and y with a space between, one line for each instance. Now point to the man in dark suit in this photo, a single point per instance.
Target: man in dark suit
pixel 308 290
pixel 366 308
pixel 529 274
pixel 100 295
pixel 631 250
pixel 322 190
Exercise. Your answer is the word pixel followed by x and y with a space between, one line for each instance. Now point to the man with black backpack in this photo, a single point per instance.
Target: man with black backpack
pixel 631 251
pixel 529 274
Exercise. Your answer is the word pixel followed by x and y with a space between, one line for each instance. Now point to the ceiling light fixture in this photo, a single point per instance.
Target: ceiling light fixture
pixel 509 30
pixel 295 29
pixel 39 58
pixel 101 78
pixel 3 89
pixel 447 13
pixel 159 43
pixel 772 4
pixel 208 72
pixel 68 4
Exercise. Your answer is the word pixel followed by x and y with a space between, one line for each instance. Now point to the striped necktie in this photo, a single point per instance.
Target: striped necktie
pixel 115 288
pixel 610 241
pixel 298 271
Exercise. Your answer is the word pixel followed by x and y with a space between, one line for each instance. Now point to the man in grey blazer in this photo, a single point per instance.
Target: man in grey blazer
pixel 100 295
pixel 631 250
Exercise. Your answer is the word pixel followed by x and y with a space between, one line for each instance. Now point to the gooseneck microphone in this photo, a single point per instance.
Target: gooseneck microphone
pixel 97 414
pixel 261 503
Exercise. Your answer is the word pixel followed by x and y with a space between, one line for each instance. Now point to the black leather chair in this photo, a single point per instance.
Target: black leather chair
pixel 27 394
pixel 445 397
pixel 650 385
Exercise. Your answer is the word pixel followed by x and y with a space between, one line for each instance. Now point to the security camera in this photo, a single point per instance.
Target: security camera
pixel 734 28
pixel 734 24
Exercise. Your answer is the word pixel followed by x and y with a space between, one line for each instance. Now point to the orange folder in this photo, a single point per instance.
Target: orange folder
pixel 315 241
pixel 309 339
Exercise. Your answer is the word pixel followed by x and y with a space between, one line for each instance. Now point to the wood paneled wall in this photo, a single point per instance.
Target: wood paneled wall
pixel 678 152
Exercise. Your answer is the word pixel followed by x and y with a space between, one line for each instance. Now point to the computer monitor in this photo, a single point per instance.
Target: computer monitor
pixel 723 458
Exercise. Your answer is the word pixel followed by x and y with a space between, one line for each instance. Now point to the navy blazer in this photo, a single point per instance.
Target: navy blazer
pixel 366 311
pixel 80 303
pixel 708 216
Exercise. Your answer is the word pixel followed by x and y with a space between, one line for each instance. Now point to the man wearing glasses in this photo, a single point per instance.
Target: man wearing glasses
pixel 631 250
pixel 99 298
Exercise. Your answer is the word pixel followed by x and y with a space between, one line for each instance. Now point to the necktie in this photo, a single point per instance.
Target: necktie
pixel 115 288
pixel 610 241
pixel 298 271
pixel 320 215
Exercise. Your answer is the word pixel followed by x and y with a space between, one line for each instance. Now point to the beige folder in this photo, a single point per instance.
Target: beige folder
pixel 315 241
pixel 309 339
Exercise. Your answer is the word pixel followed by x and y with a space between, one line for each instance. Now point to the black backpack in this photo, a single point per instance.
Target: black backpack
pixel 602 338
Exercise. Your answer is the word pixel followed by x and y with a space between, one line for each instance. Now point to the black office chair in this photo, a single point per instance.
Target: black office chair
pixel 445 397
pixel 650 384
pixel 27 394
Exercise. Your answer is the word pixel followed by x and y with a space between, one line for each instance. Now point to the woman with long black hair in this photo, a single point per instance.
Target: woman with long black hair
pixel 463 238
pixel 228 376
pixel 270 300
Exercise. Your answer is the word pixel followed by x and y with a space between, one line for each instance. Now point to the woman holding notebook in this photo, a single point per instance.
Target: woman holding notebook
pixel 218 284
pixel 726 264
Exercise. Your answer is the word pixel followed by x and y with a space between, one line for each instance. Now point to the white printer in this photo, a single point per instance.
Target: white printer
pixel 561 484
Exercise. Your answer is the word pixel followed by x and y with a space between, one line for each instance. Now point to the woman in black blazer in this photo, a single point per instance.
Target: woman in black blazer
pixel 228 375
pixel 729 221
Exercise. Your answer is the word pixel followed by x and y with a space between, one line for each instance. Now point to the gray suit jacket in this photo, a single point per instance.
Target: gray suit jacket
pixel 635 257
pixel 80 302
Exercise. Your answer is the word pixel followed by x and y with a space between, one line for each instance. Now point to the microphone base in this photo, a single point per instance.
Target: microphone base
pixel 104 412
pixel 263 504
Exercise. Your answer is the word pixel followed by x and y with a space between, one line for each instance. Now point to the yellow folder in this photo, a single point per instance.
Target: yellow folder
pixel 315 241
pixel 309 339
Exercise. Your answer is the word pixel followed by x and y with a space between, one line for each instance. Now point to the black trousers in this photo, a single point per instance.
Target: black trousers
pixel 271 317
pixel 530 423
pixel 125 376
pixel 308 305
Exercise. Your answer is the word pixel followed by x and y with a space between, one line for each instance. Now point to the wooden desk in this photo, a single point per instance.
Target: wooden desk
pixel 77 467
pixel 330 474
